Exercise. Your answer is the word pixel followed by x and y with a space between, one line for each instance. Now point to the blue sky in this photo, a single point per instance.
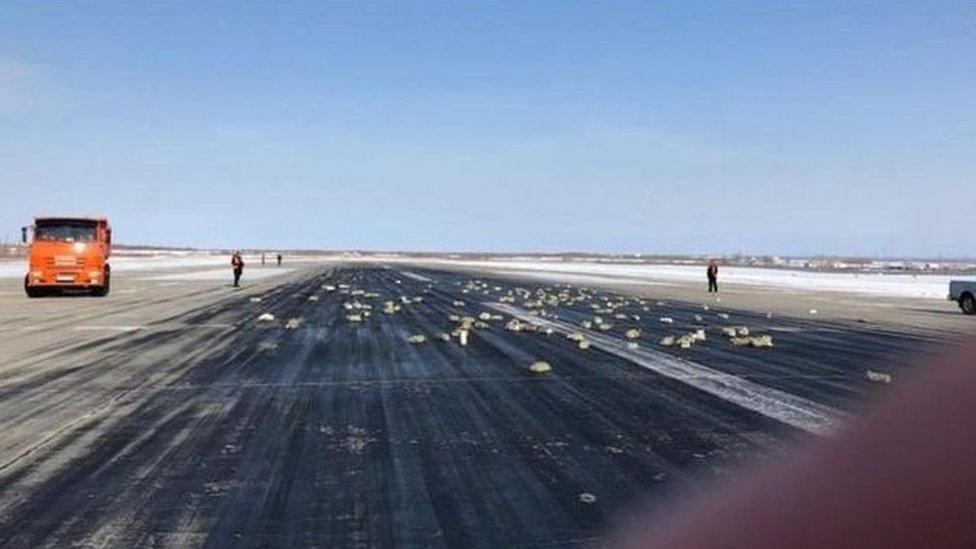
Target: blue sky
pixel 788 128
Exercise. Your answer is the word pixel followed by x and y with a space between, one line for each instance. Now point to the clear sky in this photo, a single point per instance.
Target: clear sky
pixel 687 127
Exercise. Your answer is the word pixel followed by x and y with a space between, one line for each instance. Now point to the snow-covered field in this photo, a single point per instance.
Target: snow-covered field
pixel 18 268
pixel 219 274
pixel 896 285
pixel 144 262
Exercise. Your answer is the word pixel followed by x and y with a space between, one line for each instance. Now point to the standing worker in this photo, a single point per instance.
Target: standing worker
pixel 712 276
pixel 262 259
pixel 237 263
pixel 279 260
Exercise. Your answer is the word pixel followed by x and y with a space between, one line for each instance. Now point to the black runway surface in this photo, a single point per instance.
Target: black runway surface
pixel 207 427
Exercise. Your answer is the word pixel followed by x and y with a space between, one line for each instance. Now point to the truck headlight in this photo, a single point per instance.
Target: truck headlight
pixel 94 274
pixel 36 274
pixel 79 247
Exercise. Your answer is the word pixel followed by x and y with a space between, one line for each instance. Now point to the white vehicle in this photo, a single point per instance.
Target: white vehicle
pixel 963 292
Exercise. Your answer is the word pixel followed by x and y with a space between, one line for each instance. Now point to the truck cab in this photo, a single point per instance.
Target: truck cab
pixel 68 253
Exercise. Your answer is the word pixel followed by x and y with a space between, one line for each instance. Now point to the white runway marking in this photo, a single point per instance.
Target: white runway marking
pixel 798 329
pixel 787 408
pixel 415 276
pixel 108 328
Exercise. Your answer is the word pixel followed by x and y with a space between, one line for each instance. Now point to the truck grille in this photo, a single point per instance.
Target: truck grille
pixel 65 262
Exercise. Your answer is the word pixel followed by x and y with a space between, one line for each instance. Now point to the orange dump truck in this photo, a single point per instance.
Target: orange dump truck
pixel 68 253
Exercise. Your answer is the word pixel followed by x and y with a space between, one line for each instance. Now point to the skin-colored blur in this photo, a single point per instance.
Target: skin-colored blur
pixel 902 476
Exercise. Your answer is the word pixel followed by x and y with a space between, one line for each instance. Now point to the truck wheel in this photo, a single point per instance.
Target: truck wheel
pixel 30 291
pixel 968 304
pixel 102 290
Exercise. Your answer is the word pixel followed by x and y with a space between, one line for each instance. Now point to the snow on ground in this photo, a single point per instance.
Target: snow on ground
pixel 896 285
pixel 146 263
pixel 13 269
pixel 219 274
pixel 583 279
pixel 124 263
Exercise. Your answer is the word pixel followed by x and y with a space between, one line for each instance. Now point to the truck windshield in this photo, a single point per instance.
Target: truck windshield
pixel 65 231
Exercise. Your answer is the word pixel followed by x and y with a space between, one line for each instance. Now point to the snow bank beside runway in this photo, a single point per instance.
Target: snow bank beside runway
pixel 13 269
pixel 219 274
pixel 18 268
pixel 898 285
pixel 144 262
pixel 582 279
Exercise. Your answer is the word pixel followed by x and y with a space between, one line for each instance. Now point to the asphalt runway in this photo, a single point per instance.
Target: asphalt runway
pixel 168 415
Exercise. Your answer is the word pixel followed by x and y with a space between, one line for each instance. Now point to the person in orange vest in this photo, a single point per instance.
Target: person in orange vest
pixel 237 263
pixel 712 273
